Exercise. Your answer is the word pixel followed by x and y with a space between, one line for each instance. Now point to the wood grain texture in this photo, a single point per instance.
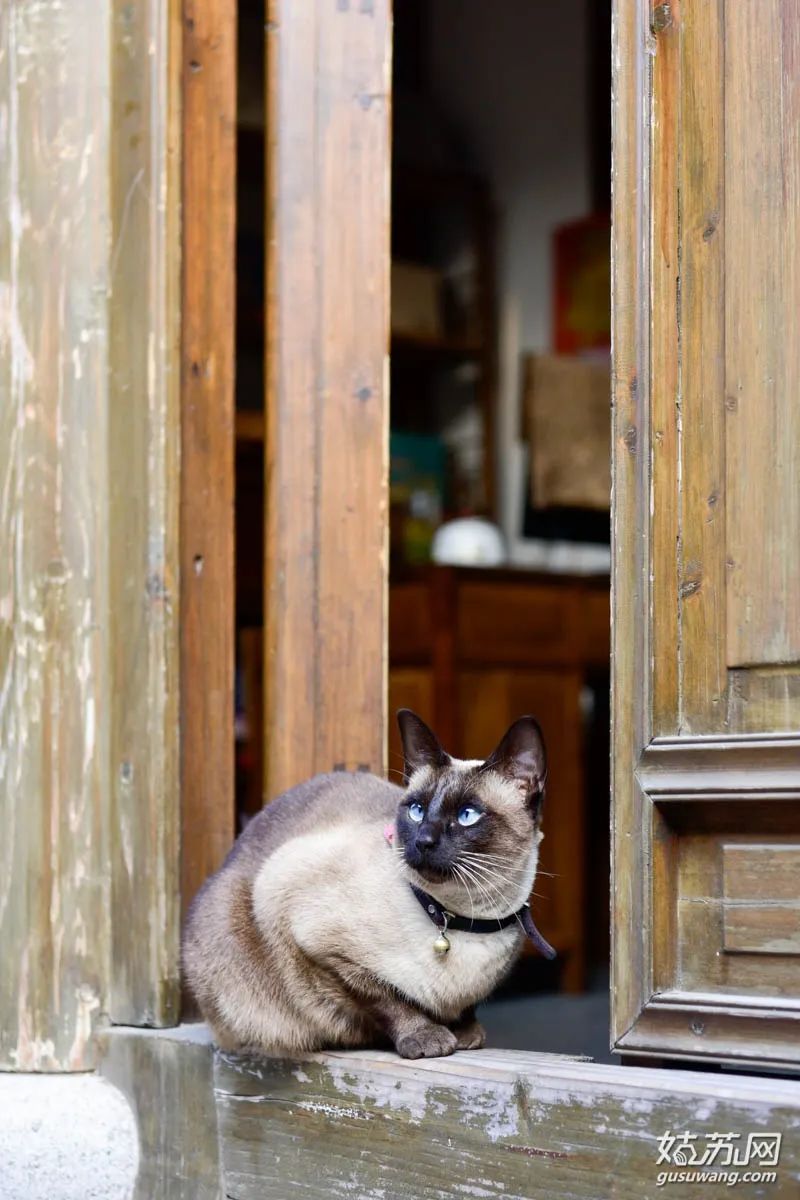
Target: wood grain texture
pixel 726 766
pixel 207 437
pixel 630 520
pixel 488 1123
pixel 327 404
pixel 683 1027
pixel 665 377
pixel 725 567
pixel 700 478
pixel 762 350
pixel 88 641
pixel 143 467
pixel 729 870
pixel 704 654
pixel 760 903
pixel 688 333
pixel 722 882
pixel 761 928
pixel 54 240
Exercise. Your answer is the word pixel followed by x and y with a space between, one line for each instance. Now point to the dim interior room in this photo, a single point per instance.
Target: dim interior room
pixel 499 443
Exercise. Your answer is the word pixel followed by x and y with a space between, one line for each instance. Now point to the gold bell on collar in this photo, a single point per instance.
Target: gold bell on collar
pixel 442 944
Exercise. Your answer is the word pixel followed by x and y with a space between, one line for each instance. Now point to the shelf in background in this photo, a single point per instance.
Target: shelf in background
pixel 413 346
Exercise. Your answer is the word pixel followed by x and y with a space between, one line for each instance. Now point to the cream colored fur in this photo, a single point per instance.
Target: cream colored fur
pixel 343 893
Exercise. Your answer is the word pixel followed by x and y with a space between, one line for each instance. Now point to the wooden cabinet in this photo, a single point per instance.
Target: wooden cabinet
pixel 409 687
pixel 471 650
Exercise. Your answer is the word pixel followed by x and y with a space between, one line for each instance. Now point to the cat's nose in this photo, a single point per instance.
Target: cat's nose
pixel 427 838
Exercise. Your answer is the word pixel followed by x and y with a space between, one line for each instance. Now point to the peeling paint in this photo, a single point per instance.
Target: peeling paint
pixel 61 202
pixel 334 1110
pixel 485 1128
pixel 381 1092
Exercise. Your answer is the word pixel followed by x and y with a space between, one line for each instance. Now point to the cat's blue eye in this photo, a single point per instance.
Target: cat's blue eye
pixel 416 812
pixel 469 815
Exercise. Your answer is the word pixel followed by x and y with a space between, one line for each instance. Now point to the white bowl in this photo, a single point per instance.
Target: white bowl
pixel 468 542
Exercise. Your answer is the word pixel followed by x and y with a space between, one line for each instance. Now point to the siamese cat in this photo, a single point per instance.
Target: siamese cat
pixel 353 912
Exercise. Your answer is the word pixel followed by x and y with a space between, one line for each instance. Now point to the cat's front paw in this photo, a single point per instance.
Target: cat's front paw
pixel 471 1036
pixel 429 1041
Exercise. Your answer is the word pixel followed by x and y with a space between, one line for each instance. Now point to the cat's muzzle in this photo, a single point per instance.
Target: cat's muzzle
pixel 428 861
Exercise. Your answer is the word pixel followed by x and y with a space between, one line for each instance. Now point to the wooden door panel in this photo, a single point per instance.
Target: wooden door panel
pixel 327 276
pixel 762 347
pixel 760 907
pixel 706 696
pixel 726 899
pixel 725 434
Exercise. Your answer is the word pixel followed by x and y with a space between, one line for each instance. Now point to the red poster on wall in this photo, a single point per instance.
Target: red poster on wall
pixel 582 294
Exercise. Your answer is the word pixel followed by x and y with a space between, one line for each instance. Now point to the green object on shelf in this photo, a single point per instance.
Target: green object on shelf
pixel 417 477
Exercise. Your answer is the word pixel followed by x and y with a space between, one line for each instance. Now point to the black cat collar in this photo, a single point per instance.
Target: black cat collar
pixel 446 921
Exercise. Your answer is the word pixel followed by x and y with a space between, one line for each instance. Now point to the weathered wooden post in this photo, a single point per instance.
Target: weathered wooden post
pixel 88 525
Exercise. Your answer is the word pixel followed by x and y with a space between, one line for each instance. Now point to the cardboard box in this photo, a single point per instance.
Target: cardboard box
pixel 567 421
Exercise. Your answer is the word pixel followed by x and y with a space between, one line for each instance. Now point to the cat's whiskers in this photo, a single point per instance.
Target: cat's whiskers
pixel 462 880
pixel 512 873
pixel 516 915
pixel 496 889
pixel 494 894
pixel 490 902
pixel 487 856
pixel 505 905
pixel 480 861
pixel 493 879
pixel 502 861
pixel 513 882
pixel 512 878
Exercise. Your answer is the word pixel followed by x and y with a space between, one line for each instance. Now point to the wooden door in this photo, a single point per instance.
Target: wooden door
pixel 327 310
pixel 706 651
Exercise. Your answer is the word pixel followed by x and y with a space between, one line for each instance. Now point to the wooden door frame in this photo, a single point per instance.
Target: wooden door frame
pixel 327 424
pixel 208 344
pixel 630 380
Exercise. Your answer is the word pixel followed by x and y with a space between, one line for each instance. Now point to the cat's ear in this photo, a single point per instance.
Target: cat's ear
pixel 420 744
pixel 521 758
